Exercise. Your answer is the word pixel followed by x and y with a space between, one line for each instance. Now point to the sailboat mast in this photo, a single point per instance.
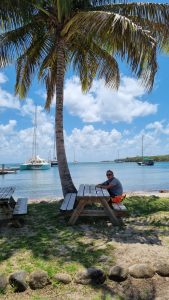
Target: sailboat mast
pixel 74 155
pixel 35 130
pixel 142 147
pixel 34 146
pixel 54 146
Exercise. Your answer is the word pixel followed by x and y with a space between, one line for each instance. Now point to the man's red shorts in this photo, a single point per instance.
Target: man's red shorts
pixel 118 199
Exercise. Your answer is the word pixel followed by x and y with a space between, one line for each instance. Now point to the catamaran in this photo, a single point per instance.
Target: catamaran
pixel 36 162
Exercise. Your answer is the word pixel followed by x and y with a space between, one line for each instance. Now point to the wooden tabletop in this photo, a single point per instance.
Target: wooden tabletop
pixel 89 194
pixel 6 193
pixel 90 190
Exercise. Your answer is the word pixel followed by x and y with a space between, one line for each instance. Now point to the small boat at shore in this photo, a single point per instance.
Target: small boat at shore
pixel 5 171
pixel 8 170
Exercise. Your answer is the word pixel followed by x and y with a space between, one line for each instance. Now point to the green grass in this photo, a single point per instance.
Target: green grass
pixel 46 242
pixel 143 206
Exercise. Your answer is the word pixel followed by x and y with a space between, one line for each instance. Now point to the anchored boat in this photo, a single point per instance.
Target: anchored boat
pixel 36 162
pixel 145 160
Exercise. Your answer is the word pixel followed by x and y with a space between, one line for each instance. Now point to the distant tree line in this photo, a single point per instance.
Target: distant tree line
pixel 139 158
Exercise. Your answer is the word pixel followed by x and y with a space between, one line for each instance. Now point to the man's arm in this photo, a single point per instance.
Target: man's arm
pixel 105 186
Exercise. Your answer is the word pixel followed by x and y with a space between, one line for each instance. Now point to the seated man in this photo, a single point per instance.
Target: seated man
pixel 114 187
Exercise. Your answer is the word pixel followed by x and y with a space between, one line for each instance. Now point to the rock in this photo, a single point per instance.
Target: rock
pixel 90 276
pixel 162 269
pixel 63 277
pixel 18 281
pixel 38 279
pixel 3 282
pixel 103 258
pixel 141 271
pixel 118 273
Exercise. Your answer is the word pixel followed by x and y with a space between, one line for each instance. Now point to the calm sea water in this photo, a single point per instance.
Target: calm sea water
pixel 46 183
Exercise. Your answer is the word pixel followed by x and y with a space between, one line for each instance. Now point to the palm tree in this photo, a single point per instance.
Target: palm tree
pixel 44 37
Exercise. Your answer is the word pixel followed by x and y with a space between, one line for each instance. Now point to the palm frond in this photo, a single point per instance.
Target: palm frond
pixel 28 63
pixel 50 83
pixel 13 44
pixel 153 17
pixel 153 12
pixel 90 60
pixel 15 13
pixel 122 37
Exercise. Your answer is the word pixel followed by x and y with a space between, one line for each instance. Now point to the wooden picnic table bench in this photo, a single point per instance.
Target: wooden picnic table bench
pixel 8 206
pixel 91 201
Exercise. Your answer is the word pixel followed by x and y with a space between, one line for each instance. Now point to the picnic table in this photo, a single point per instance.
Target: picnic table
pixel 7 202
pixel 8 206
pixel 91 201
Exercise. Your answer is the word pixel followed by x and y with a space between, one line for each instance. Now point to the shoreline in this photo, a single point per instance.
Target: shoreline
pixel 160 194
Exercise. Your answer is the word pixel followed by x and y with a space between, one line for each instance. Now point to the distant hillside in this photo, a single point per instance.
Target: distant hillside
pixel 139 158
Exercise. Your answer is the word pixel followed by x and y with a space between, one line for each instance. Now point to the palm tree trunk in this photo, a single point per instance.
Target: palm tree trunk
pixel 65 177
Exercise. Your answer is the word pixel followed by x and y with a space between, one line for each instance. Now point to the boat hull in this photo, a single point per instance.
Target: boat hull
pixel 146 163
pixel 34 166
pixel 54 163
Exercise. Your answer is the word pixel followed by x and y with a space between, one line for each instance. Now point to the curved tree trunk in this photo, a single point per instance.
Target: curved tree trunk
pixel 65 177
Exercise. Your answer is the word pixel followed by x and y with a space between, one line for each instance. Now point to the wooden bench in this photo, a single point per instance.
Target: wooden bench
pixel 120 209
pixel 20 207
pixel 68 202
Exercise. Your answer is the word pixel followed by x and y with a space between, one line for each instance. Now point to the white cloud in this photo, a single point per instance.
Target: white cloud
pixel 159 127
pixel 8 129
pixel 102 104
pixel 3 78
pixel 8 101
pixel 89 137
pixel 90 144
pixel 17 143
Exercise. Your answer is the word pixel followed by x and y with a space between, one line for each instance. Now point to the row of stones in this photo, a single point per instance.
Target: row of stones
pixel 39 279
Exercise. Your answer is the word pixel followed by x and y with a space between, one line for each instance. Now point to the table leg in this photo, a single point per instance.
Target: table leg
pixel 77 211
pixel 12 202
pixel 109 212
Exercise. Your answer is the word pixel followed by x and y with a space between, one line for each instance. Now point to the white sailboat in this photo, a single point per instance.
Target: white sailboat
pixel 36 162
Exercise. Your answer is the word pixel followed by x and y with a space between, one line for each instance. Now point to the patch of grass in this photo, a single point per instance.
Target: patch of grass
pixel 46 242
pixel 141 205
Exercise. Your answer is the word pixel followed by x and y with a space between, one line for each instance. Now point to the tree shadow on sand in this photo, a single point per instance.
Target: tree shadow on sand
pixel 46 232
pixel 46 241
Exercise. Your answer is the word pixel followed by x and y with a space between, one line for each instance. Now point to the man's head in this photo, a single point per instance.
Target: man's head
pixel 109 174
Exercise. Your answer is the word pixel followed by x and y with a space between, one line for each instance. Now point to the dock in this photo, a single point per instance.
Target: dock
pixel 4 170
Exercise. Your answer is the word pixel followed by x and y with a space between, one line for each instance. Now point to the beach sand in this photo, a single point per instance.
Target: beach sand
pixel 139 242
pixel 161 194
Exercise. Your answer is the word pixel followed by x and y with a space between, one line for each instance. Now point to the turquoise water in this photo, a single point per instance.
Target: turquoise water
pixel 46 183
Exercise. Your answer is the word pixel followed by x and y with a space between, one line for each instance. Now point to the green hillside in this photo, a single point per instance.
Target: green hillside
pixel 139 158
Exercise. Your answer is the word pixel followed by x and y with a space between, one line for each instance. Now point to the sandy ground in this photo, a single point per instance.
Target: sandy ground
pixel 161 194
pixel 139 242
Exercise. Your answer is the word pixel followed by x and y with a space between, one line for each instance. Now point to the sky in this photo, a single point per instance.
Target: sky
pixel 103 124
